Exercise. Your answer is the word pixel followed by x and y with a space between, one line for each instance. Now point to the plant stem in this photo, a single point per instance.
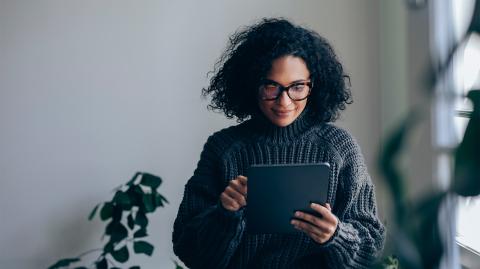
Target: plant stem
pixel 90 251
pixel 111 262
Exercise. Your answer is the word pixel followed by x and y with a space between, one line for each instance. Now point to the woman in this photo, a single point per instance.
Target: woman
pixel 284 84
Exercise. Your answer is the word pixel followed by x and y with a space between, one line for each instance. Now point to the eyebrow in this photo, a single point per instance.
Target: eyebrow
pixel 293 82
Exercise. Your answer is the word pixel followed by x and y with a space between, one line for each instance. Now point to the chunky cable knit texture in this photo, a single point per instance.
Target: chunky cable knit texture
pixel 206 235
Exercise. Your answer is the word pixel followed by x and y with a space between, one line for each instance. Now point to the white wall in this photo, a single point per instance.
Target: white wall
pixel 93 91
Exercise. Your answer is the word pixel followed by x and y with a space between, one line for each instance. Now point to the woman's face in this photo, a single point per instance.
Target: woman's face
pixel 285 71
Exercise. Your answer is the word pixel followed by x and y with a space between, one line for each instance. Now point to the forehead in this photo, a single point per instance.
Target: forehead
pixel 287 69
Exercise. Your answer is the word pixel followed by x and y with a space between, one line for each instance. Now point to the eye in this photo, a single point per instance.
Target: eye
pixel 270 87
pixel 298 87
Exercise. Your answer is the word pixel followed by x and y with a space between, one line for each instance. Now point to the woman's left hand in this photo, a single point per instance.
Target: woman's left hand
pixel 320 229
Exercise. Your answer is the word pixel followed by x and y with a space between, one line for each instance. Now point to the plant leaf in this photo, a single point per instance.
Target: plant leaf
pixel 150 180
pixel 160 199
pixel 141 219
pixel 106 211
pixel 92 214
pixel 117 213
pixel 149 203
pixel 121 255
pixel 467 160
pixel 116 231
pixel 130 222
pixel 140 233
pixel 135 194
pixel 428 238
pixel 102 264
pixel 131 181
pixel 143 247
pixel 388 164
pixel 121 198
pixel 63 263
pixel 475 21
pixel 108 248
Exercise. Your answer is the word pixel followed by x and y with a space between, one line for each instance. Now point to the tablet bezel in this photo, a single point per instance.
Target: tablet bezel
pixel 270 207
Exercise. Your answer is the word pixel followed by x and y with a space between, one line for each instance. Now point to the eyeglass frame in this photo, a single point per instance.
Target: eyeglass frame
pixel 308 83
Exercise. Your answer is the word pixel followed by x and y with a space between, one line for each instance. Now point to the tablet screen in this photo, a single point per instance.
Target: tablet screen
pixel 275 192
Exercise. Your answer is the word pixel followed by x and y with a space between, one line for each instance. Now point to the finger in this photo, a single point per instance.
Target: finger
pixel 239 187
pixel 312 232
pixel 321 224
pixel 328 207
pixel 228 202
pixel 238 197
pixel 306 227
pixel 328 218
pixel 318 238
pixel 324 212
pixel 242 179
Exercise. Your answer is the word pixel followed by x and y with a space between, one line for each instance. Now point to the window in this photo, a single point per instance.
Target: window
pixel 466 76
pixel 450 20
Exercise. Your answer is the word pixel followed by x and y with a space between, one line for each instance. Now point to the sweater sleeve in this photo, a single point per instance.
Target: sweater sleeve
pixel 360 235
pixel 205 235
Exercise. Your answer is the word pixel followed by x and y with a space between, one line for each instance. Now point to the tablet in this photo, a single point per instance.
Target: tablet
pixel 275 192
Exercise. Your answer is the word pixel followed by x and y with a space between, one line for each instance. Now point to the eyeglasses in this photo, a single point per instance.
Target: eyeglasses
pixel 270 90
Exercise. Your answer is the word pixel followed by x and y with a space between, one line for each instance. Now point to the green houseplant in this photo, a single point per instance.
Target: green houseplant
pixel 417 241
pixel 127 217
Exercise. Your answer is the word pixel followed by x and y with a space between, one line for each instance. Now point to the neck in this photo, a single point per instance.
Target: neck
pixel 265 127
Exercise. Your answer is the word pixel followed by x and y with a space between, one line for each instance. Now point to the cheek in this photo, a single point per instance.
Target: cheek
pixel 264 106
pixel 300 106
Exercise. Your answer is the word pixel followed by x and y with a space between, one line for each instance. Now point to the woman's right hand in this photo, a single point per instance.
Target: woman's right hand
pixel 234 196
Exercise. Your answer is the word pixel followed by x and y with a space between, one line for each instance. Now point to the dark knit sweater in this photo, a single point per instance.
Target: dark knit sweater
pixel 208 236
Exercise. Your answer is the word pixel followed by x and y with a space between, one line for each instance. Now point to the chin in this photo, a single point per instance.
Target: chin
pixel 282 122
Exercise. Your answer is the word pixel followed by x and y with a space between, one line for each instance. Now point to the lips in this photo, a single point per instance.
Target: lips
pixel 282 113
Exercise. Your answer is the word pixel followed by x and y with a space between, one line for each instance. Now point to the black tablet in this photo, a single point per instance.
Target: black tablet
pixel 275 192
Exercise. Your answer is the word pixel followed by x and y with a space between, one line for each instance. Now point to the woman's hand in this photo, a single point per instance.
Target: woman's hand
pixel 234 196
pixel 320 229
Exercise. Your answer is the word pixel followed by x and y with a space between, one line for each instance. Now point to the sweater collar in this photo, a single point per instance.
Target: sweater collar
pixel 263 126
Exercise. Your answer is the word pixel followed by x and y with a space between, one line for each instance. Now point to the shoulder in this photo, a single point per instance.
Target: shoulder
pixel 224 139
pixel 353 170
pixel 339 140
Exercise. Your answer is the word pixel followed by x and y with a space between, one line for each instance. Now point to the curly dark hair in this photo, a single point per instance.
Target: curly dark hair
pixel 248 59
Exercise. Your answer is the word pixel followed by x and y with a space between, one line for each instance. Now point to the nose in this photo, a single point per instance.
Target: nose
pixel 284 99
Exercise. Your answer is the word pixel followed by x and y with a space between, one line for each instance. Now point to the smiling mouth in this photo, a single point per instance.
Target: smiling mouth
pixel 282 112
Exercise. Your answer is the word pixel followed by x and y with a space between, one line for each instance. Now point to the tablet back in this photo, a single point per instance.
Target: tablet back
pixel 275 192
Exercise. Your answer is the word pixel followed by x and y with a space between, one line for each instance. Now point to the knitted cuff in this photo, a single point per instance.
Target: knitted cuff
pixel 345 238
pixel 227 213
